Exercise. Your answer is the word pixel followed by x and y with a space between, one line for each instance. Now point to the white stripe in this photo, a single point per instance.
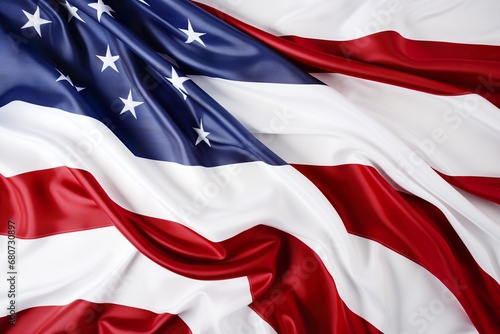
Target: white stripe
pixel 245 321
pixel 275 196
pixel 460 21
pixel 457 135
pixel 333 131
pixel 101 266
pixel 424 305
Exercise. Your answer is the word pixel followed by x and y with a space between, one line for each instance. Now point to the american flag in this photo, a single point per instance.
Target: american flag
pixel 232 166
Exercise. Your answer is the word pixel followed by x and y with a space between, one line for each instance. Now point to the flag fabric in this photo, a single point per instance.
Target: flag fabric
pixel 250 166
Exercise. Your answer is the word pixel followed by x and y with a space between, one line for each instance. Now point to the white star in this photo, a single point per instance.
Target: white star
pixel 130 104
pixel 72 11
pixel 35 21
pixel 108 60
pixel 202 135
pixel 177 82
pixel 192 35
pixel 144 2
pixel 101 8
pixel 63 77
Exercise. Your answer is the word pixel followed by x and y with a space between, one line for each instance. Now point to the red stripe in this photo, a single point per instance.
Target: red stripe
pixel 481 186
pixel 86 317
pixel 292 289
pixel 471 68
pixel 371 208
pixel 36 202
pixel 433 67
